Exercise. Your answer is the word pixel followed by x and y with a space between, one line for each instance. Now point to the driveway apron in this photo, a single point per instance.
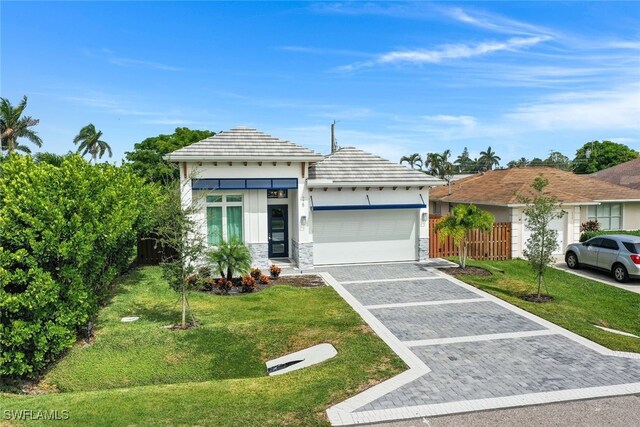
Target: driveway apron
pixel 467 350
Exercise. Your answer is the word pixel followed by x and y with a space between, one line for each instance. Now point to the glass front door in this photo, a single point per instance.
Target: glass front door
pixel 278 231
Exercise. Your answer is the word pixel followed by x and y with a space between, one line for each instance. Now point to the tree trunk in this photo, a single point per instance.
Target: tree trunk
pixel 184 308
pixel 464 256
pixel 229 273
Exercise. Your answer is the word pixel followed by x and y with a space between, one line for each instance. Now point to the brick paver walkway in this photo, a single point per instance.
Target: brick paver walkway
pixel 468 350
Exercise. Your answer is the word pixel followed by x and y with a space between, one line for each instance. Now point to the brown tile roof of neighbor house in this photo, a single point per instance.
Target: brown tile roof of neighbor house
pixel 502 187
pixel 349 165
pixel 626 174
pixel 243 143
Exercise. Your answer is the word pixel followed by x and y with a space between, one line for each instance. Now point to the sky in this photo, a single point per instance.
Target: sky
pixel 525 78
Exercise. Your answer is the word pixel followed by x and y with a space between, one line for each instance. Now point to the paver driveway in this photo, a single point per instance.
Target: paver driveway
pixel 466 349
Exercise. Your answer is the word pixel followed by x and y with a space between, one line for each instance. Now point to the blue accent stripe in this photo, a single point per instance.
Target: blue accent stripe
pixel 245 184
pixel 367 207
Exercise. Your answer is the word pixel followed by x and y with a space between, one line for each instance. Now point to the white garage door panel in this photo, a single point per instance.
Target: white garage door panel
pixel 558 224
pixel 342 237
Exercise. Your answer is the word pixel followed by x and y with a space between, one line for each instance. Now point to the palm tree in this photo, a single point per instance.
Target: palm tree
pixel 437 164
pixel 232 256
pixel 52 159
pixel 90 142
pixel 13 126
pixel 457 225
pixel 413 160
pixel 489 159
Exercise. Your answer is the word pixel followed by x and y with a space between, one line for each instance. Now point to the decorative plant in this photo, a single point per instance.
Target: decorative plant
pixel 591 225
pixel 231 257
pixel 275 271
pixel 461 220
pixel 208 284
pixel 264 279
pixel 541 211
pixel 248 283
pixel 256 273
pixel 224 285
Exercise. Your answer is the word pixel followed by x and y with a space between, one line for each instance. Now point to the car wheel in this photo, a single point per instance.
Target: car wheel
pixel 572 260
pixel 620 273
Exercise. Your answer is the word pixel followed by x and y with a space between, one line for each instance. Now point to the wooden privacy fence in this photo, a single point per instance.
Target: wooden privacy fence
pixel 494 245
pixel 151 252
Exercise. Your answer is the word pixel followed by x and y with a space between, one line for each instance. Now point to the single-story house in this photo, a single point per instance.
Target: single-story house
pixel 626 174
pixel 582 197
pixel 287 201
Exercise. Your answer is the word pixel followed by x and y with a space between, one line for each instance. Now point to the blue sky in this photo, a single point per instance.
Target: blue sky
pixel 523 77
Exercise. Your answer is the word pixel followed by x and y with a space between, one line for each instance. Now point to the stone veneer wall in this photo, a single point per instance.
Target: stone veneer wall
pixel 294 251
pixel 260 254
pixel 423 249
pixel 305 256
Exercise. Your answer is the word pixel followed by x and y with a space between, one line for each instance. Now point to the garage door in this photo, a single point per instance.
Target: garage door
pixel 344 237
pixel 558 224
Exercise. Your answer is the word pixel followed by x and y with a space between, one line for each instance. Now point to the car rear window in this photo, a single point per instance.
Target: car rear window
pixel 634 248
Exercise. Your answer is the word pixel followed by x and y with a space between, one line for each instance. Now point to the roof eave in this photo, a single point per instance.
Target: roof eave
pixel 183 158
pixel 323 183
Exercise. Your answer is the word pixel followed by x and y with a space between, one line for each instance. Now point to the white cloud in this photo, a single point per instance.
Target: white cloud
pixel 597 110
pixel 466 121
pixel 129 62
pixel 495 23
pixel 447 52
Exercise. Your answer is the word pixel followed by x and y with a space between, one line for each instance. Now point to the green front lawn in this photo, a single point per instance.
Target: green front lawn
pixel 578 303
pixel 141 374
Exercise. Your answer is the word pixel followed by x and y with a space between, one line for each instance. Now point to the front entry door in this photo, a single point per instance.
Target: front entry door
pixel 278 231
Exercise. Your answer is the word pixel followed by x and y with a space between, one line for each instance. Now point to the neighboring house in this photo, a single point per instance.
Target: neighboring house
pixel 583 198
pixel 626 174
pixel 287 201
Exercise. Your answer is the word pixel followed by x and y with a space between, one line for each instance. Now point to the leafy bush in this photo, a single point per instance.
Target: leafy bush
pixel 248 283
pixel 589 234
pixel 224 285
pixel 591 225
pixel 275 271
pixel 65 233
pixel 264 280
pixel 256 273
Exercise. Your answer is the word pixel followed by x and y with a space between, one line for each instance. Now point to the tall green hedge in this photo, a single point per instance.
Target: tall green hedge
pixel 65 233
pixel 589 234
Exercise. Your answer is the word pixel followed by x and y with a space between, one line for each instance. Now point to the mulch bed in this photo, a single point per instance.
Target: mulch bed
pixel 302 281
pixel 534 298
pixel 469 271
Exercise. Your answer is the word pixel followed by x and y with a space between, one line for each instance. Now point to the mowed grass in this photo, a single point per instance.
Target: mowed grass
pixel 577 304
pixel 141 374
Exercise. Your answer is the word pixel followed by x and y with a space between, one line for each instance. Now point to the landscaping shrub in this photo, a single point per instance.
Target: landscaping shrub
pixel 256 273
pixel 65 233
pixel 248 283
pixel 589 234
pixel 275 271
pixel 224 285
pixel 591 225
pixel 264 280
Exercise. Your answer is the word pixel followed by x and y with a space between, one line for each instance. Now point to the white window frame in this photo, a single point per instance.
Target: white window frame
pixel 595 215
pixel 224 204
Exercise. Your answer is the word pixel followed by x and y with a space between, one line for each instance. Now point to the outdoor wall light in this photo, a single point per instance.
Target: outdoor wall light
pixel 303 220
pixel 424 216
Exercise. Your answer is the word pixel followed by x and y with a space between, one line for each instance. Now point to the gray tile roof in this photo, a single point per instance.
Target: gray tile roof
pixel 349 165
pixel 243 143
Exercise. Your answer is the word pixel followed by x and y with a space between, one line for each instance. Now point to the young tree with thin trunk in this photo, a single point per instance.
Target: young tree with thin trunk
pixel 461 220
pixel 178 232
pixel 540 212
